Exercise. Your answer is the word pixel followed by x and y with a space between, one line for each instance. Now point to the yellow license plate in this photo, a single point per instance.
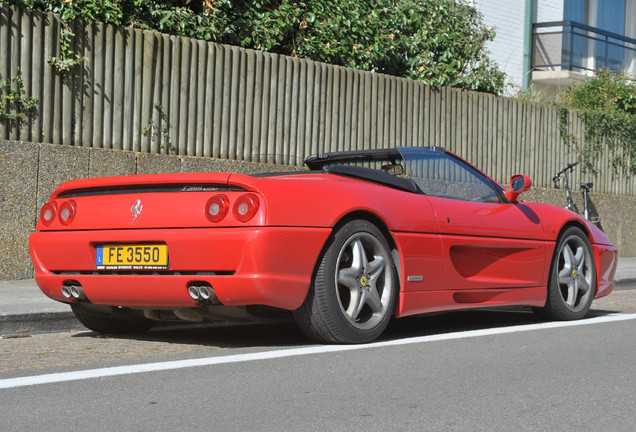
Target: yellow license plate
pixel 132 257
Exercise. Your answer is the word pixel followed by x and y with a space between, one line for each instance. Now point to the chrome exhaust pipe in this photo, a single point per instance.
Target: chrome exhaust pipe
pixel 77 292
pixel 66 292
pixel 205 293
pixel 194 293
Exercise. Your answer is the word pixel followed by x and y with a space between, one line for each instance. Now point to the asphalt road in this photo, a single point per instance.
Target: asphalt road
pixel 492 370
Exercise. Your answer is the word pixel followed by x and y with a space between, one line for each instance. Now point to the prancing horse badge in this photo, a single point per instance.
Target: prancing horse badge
pixel 136 209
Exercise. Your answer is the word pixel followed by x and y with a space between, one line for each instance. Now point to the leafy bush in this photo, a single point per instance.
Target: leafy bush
pixel 440 42
pixel 607 104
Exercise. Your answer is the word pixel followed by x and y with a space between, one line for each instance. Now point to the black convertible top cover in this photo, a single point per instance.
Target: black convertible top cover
pixel 317 162
pixel 374 176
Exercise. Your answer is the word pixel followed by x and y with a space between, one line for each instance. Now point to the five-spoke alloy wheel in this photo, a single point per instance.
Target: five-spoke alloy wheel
pixel 572 278
pixel 352 297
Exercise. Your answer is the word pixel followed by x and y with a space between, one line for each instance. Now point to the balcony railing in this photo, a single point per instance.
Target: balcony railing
pixel 572 46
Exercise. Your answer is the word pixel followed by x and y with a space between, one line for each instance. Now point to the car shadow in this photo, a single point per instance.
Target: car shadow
pixel 218 335
pixel 460 321
pixel 286 334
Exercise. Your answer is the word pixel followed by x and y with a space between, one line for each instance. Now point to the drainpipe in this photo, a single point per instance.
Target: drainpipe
pixel 527 44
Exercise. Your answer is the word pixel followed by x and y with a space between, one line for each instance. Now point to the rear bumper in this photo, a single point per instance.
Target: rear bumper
pixel 269 266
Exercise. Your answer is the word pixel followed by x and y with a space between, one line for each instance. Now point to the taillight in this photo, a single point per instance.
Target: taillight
pixel 216 208
pixel 245 207
pixel 66 212
pixel 47 214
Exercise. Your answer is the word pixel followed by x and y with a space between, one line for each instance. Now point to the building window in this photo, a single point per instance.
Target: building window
pixel 610 16
pixel 585 49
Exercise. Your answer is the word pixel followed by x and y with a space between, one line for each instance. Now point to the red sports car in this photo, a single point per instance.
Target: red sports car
pixel 358 238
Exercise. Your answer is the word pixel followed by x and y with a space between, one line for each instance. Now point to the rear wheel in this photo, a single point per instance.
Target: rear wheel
pixel 572 278
pixel 110 320
pixel 353 294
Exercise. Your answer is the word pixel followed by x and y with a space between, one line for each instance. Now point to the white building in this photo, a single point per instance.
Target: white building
pixel 550 43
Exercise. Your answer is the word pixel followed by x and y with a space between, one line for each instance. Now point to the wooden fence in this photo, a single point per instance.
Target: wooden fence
pixel 150 92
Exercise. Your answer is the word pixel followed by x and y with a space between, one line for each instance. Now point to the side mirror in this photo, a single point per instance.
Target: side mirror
pixel 518 184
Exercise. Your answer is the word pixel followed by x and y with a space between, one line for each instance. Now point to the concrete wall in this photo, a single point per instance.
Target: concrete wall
pixel 18 198
pixel 30 172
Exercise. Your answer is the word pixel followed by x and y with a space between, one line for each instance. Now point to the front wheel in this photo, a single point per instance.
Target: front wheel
pixel 572 282
pixel 353 294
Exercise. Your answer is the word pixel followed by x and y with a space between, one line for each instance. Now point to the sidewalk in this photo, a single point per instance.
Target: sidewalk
pixel 25 310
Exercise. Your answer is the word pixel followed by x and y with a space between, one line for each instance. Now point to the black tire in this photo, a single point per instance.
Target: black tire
pixel 110 320
pixel 572 283
pixel 352 297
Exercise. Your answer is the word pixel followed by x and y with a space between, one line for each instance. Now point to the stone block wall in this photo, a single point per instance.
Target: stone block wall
pixel 617 213
pixel 18 202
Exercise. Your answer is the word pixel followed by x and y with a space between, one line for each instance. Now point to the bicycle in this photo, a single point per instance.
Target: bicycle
pixel 585 190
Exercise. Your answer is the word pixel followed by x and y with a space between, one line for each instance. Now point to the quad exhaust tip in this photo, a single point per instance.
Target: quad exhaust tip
pixel 73 292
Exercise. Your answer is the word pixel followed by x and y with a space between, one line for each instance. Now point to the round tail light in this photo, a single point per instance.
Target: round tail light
pixel 66 212
pixel 48 212
pixel 216 208
pixel 245 207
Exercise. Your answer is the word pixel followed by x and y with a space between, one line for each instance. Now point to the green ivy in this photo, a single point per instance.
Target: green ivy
pixel 607 104
pixel 440 42
pixel 15 107
pixel 163 132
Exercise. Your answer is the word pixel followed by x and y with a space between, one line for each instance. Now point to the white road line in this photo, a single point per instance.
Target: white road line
pixel 237 358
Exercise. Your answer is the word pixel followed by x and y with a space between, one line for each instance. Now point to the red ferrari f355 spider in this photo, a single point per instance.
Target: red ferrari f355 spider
pixel 358 238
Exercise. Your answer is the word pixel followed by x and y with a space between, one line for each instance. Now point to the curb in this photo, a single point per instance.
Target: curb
pixel 624 281
pixel 37 323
